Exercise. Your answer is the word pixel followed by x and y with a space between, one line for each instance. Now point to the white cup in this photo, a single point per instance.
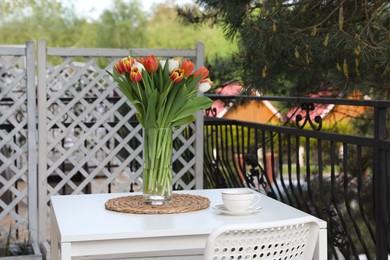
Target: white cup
pixel 240 201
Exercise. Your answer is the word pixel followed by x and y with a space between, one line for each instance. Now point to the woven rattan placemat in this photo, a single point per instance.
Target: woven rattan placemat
pixel 180 203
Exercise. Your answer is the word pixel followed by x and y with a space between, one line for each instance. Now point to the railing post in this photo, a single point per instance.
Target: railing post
pixel 380 190
pixel 32 142
pixel 199 126
pixel 42 141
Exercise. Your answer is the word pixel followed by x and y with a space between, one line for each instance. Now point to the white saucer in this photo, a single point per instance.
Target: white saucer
pixel 221 208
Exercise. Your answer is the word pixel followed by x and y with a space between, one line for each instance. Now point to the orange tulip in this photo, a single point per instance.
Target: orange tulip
pixel 203 72
pixel 150 63
pixel 136 74
pixel 119 67
pixel 188 67
pixel 141 60
pixel 128 63
pixel 177 75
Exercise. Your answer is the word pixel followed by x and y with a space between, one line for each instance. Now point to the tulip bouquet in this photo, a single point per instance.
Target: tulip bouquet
pixel 165 96
pixel 164 93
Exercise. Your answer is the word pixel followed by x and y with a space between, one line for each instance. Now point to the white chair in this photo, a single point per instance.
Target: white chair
pixel 295 239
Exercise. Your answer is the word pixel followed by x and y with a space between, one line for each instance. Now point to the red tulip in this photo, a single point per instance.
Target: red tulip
pixel 188 67
pixel 150 63
pixel 136 74
pixel 141 60
pixel 177 75
pixel 203 72
pixel 127 63
pixel 119 67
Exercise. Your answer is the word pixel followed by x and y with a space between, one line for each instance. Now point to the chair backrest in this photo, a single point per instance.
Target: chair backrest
pixel 295 239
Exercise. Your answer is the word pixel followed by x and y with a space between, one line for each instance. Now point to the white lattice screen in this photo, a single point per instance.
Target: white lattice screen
pixel 89 139
pixel 18 189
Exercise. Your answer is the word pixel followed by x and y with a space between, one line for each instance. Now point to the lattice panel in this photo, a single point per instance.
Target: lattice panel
pixel 91 141
pixel 184 157
pixel 13 146
pixel 88 126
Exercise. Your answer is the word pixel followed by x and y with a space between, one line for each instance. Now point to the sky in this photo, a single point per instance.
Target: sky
pixel 84 7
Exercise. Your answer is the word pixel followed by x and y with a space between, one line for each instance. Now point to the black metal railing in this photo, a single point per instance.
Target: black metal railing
pixel 341 178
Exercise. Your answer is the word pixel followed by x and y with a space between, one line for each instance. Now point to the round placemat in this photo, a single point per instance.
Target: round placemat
pixel 180 203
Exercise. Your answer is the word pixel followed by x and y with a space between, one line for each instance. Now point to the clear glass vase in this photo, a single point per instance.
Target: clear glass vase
pixel 157 173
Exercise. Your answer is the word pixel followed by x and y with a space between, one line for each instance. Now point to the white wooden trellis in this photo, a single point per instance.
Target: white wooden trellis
pixel 86 140
pixel 18 139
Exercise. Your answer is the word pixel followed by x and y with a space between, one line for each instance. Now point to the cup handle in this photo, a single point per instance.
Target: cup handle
pixel 256 201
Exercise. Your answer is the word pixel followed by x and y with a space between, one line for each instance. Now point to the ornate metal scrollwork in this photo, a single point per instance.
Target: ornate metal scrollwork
pixel 338 237
pixel 256 177
pixel 307 107
pixel 211 112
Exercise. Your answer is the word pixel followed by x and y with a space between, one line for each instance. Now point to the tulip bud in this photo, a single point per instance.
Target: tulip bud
pixel 177 75
pixel 141 60
pixel 188 67
pixel 162 63
pixel 203 72
pixel 136 74
pixel 173 64
pixel 119 67
pixel 205 85
pixel 128 62
pixel 138 65
pixel 150 63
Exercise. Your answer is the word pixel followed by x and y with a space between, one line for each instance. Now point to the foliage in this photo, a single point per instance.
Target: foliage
pixel 33 20
pixel 10 248
pixel 165 23
pixel 117 27
pixel 292 47
pixel 223 69
pixel 123 25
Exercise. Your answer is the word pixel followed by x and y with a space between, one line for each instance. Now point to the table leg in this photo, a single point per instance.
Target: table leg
pixel 66 251
pixel 321 250
pixel 54 234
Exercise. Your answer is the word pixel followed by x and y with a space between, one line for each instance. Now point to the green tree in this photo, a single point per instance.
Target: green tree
pixel 122 26
pixel 165 30
pixel 33 20
pixel 291 47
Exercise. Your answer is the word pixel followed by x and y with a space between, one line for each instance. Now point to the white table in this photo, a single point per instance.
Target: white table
pixel 81 226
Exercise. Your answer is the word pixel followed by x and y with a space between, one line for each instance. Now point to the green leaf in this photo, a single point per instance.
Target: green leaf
pixel 184 121
pixel 139 107
pixel 147 83
pixel 140 119
pixel 165 75
pixel 159 80
pixel 162 102
pixel 191 83
pixel 150 118
pixel 176 101
pixel 191 106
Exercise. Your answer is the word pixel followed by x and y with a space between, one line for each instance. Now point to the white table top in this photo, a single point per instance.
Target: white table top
pixel 84 218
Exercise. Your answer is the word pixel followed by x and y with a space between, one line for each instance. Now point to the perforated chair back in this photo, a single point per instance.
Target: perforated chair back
pixel 295 239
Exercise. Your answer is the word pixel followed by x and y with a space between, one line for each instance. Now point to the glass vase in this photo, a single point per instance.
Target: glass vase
pixel 157 173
